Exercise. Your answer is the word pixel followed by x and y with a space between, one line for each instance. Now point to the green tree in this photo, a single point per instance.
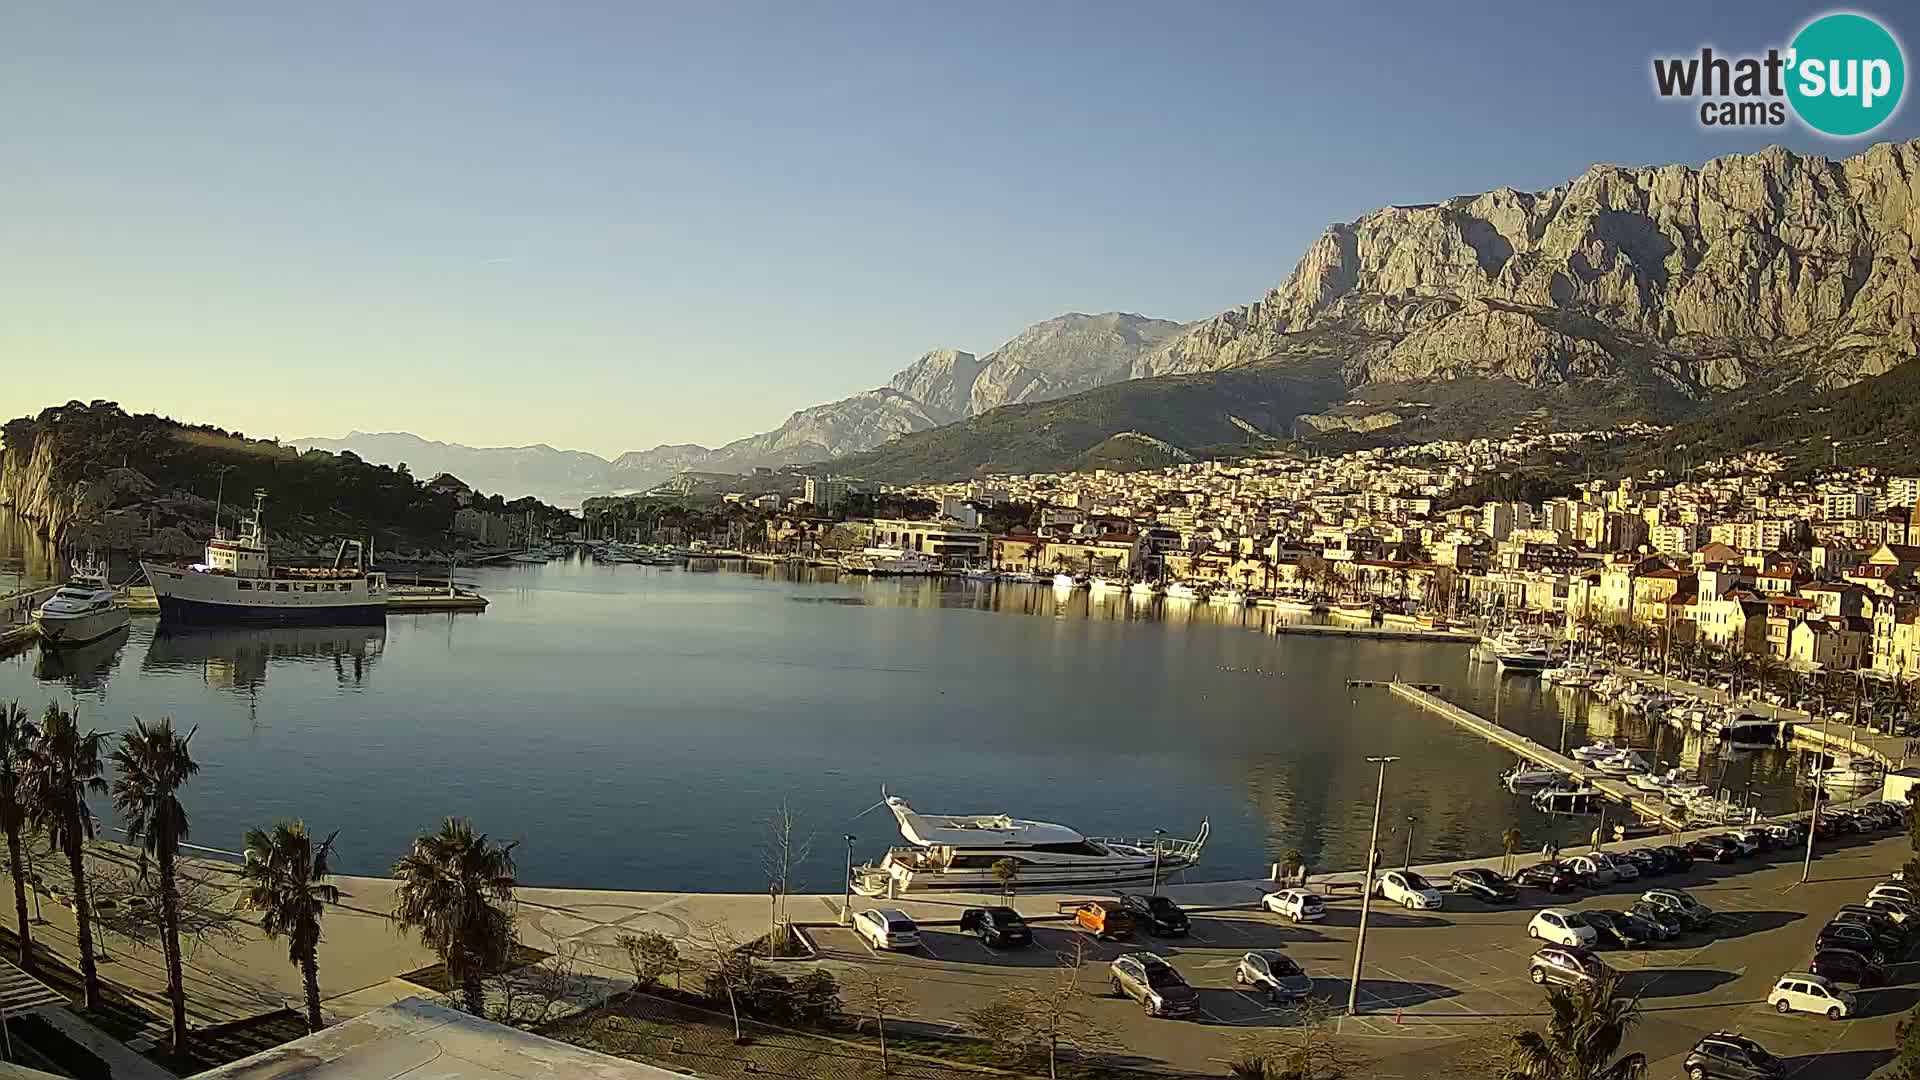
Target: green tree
pixel 17 732
pixel 154 763
pixel 454 886
pixel 62 768
pixel 1585 1029
pixel 286 882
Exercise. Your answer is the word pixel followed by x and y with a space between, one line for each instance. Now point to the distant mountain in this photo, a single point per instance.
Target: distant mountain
pixel 1626 292
pixel 1050 359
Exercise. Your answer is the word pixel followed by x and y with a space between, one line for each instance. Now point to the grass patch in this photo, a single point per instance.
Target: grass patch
pixel 434 976
pixel 675 1034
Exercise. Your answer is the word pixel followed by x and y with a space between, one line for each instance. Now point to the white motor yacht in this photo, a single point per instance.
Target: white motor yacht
pixel 1101 584
pixel 1144 589
pixel 1849 776
pixel 84 609
pixel 1180 590
pixel 1229 598
pixel 1520 654
pixel 1527 774
pixel 958 852
pixel 1066 582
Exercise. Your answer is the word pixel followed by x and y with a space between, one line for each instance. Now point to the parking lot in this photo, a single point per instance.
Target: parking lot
pixel 1432 978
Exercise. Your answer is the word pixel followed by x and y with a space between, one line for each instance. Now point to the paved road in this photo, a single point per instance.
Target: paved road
pixel 1434 978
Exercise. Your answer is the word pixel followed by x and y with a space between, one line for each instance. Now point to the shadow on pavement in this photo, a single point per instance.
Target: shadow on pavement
pixel 1378 919
pixel 1728 925
pixel 1672 982
pixel 1244 934
pixel 1383 993
pixel 1842 1065
pixel 1886 1001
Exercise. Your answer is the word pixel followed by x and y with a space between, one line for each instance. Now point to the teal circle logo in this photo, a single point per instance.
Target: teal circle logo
pixel 1847 75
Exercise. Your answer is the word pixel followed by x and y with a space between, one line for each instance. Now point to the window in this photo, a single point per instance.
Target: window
pixel 282 587
pixel 246 586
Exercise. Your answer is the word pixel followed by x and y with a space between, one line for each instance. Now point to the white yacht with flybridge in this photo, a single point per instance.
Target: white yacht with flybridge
pixel 958 852
pixel 84 609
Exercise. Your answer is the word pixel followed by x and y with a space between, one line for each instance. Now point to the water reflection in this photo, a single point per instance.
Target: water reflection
pixel 239 659
pixel 83 669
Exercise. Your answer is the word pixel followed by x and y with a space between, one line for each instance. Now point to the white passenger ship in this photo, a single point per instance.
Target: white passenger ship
pixel 236 584
pixel 958 851
pixel 84 609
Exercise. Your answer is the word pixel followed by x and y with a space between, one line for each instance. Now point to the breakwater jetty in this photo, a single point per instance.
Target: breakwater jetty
pixel 1615 790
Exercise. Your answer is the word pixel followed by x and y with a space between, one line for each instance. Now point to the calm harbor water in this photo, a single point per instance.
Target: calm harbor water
pixel 634 726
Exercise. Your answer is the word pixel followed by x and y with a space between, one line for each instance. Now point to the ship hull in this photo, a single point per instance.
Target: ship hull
pixel 185 612
pixel 67 630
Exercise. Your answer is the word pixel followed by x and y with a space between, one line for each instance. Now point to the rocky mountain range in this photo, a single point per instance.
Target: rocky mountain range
pixel 1648 292
pixel 1048 360
pixel 1626 291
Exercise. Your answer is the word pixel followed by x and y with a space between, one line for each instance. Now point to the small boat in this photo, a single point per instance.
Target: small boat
pixel 980 574
pixel 1648 782
pixel 1229 598
pixel 1748 729
pixel 1593 752
pixel 1101 584
pixel 1624 763
pixel 84 609
pixel 1574 801
pixel 1066 581
pixel 1527 774
pixel 1849 776
pixel 1144 589
pixel 1180 590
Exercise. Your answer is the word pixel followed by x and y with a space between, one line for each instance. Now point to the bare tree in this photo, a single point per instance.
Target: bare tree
pixel 652 955
pixel 1309 1049
pixel 876 994
pixel 733 973
pixel 1030 1020
pixel 1006 872
pixel 530 996
pixel 783 851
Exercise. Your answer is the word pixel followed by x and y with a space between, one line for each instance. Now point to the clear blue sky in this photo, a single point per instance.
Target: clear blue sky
pixel 607 226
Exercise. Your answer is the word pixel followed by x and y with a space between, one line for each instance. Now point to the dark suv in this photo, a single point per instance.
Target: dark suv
pixel 996 926
pixel 1852 935
pixel 1161 916
pixel 1553 877
pixel 1724 1055
pixel 1483 884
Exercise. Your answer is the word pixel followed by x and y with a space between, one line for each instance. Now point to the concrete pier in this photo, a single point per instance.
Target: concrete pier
pixel 1453 637
pixel 1613 788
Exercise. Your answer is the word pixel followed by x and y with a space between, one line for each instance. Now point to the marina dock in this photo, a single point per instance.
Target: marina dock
pixel 1615 790
pixel 1454 637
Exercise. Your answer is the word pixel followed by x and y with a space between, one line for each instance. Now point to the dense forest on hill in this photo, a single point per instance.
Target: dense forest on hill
pixel 89 443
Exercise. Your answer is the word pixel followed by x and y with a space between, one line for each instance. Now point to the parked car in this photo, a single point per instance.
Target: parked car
pixel 1725 1055
pixel 1848 966
pixel 1618 928
pixel 1852 935
pixel 1647 860
pixel 1875 917
pixel 1753 839
pixel 1624 869
pixel 1694 913
pixel 1483 884
pixel 1275 973
pixel 1409 890
pixel 1297 905
pixel 1564 965
pixel 1667 925
pixel 1719 849
pixel 1160 916
pixel 887 928
pixel 1551 876
pixel 1810 993
pixel 1790 834
pixel 1598 870
pixel 1744 844
pixel 1678 858
pixel 1151 981
pixel 1103 919
pixel 1893 910
pixel 1562 927
pixel 1000 926
pixel 1892 890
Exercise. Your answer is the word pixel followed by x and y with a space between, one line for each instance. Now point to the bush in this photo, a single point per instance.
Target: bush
pixel 811 1000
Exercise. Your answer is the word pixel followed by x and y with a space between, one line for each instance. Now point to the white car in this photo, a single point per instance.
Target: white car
pixel 1890 891
pixel 1598 870
pixel 1409 890
pixel 1623 868
pixel 1562 927
pixel 887 928
pixel 1798 992
pixel 1298 905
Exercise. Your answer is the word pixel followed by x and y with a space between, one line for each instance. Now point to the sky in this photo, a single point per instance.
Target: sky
pixel 606 226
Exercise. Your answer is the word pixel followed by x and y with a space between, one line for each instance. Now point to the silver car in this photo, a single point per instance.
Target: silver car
pixel 1275 973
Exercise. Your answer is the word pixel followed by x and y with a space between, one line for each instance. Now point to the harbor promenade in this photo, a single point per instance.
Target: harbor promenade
pixel 1833 735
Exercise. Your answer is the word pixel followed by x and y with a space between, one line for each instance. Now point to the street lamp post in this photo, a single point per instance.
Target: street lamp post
pixel 1813 822
pixel 1366 887
pixel 1157 834
pixel 1407 863
pixel 846 904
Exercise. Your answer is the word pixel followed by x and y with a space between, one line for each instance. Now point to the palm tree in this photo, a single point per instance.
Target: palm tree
pixel 1510 842
pixel 1584 1030
pixel 17 732
pixel 62 768
pixel 452 888
pixel 154 764
pixel 286 881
